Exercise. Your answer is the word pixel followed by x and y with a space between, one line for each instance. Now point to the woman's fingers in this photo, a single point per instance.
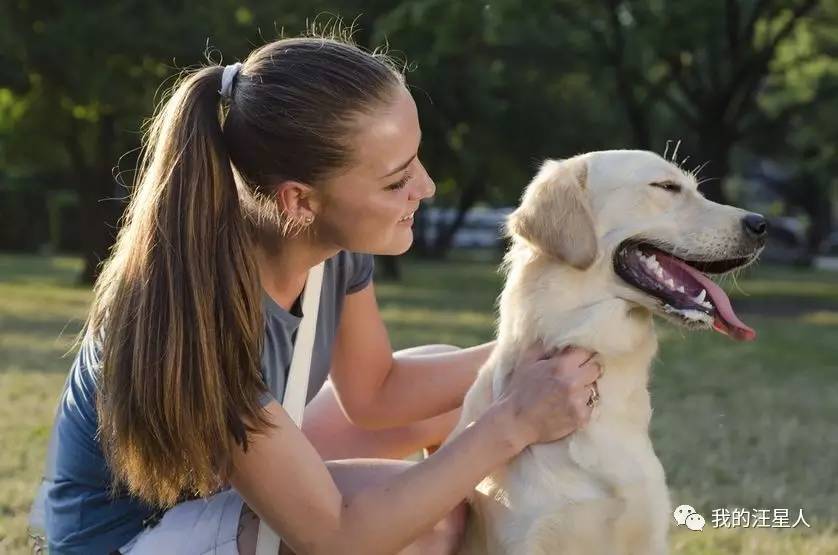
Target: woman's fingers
pixel 533 353
pixel 577 356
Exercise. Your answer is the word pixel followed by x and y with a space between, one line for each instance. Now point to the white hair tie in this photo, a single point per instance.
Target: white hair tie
pixel 228 79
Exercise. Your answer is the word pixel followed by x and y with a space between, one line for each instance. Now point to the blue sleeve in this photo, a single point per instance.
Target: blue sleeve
pixel 360 271
pixel 82 459
pixel 265 397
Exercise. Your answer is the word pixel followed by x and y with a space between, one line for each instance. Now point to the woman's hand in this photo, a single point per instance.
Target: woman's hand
pixel 548 395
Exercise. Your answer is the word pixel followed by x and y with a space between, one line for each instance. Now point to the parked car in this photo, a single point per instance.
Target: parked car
pixel 786 241
pixel 831 244
pixel 828 259
pixel 481 228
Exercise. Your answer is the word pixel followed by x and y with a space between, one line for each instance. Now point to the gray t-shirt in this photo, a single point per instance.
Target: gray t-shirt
pixel 343 274
pixel 81 514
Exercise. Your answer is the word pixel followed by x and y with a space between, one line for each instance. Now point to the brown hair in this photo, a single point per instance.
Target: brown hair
pixel 177 307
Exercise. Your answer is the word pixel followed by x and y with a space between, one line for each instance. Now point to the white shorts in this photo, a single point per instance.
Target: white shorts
pixel 199 527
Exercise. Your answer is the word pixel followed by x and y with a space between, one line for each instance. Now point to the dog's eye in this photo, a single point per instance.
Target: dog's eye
pixel 670 186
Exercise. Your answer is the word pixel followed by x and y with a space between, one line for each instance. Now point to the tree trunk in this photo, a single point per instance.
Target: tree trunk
pixel 820 216
pixel 637 115
pixel 810 194
pixel 469 197
pixel 714 148
pixel 99 216
pixel 390 268
pixel 420 245
pixel 101 201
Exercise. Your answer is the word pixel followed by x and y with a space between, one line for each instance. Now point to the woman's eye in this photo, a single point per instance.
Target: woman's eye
pixel 399 184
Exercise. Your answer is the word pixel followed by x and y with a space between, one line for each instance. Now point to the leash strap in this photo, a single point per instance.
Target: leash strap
pixel 296 386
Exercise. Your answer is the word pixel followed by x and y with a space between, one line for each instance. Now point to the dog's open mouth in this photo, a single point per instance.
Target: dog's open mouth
pixel 682 287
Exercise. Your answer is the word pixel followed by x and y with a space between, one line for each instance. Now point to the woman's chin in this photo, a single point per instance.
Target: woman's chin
pixel 399 243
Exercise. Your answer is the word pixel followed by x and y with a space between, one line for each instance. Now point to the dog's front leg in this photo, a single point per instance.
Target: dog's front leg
pixel 659 508
pixel 643 528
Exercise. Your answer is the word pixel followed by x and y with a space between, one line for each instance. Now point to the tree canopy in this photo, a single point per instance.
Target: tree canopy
pixel 500 84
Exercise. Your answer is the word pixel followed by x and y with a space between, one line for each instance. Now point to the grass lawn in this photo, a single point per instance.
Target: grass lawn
pixel 749 426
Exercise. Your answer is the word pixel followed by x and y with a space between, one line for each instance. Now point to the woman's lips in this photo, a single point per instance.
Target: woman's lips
pixel 407 219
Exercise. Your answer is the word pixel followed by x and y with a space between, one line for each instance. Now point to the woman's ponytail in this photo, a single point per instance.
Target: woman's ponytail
pixel 178 305
pixel 178 308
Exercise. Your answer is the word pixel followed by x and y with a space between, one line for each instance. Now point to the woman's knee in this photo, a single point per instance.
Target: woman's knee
pixel 249 532
pixel 453 527
pixel 421 350
pixel 445 538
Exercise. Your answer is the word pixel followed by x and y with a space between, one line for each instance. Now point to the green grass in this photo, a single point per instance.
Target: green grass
pixel 748 425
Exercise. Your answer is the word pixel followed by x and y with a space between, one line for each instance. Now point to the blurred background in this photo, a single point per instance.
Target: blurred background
pixel 743 91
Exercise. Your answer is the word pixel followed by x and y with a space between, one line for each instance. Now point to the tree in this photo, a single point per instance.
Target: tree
pixel 78 80
pixel 500 85
pixel 706 62
pixel 496 93
pixel 800 124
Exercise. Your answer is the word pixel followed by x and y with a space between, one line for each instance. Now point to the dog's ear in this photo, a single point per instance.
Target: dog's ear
pixel 555 215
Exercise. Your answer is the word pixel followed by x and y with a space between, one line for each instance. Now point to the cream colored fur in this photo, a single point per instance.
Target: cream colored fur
pixel 602 489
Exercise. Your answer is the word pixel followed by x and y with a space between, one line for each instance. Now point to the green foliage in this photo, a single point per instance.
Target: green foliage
pixel 739 424
pixel 500 85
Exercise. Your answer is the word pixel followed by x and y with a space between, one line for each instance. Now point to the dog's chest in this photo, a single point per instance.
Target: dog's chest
pixel 594 477
pixel 601 460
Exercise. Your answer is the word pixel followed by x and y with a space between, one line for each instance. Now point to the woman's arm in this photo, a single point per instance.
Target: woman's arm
pixel 377 390
pixel 284 481
pixel 282 478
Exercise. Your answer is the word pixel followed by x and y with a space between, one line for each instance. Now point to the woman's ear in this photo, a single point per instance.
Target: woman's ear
pixel 555 215
pixel 297 201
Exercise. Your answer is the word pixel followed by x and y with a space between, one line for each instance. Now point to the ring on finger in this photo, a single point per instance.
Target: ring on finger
pixel 594 398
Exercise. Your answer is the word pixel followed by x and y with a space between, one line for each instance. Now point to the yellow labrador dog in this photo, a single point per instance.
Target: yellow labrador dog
pixel 601 243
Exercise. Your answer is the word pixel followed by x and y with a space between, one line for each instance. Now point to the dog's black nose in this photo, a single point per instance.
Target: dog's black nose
pixel 755 225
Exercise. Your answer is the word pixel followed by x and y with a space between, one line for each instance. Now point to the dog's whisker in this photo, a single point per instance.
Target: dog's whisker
pixel 734 278
pixel 708 179
pixel 699 168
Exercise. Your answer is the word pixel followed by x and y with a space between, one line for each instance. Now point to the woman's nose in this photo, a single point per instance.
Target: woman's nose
pixel 425 186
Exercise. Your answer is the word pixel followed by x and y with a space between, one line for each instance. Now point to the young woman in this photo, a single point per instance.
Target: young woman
pixel 170 435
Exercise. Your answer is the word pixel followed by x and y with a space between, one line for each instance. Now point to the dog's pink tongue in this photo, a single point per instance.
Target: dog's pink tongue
pixel 726 320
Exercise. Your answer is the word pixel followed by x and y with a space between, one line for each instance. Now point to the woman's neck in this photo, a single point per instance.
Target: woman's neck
pixel 284 265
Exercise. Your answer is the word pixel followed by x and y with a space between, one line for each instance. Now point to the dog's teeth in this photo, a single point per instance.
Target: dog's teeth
pixel 681 289
pixel 659 272
pixel 669 283
pixel 707 304
pixel 700 297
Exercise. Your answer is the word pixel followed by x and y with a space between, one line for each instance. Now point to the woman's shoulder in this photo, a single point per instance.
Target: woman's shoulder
pixel 84 374
pixel 353 270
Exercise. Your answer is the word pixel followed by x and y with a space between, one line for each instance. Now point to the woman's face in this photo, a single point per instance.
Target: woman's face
pixel 369 207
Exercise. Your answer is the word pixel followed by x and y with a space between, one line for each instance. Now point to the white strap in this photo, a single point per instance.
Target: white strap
pixel 296 386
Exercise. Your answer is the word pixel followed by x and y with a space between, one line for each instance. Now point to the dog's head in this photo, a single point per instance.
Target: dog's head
pixel 641 220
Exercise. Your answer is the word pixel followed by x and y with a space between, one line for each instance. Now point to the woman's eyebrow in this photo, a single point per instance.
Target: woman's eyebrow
pixel 401 167
pixel 406 164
